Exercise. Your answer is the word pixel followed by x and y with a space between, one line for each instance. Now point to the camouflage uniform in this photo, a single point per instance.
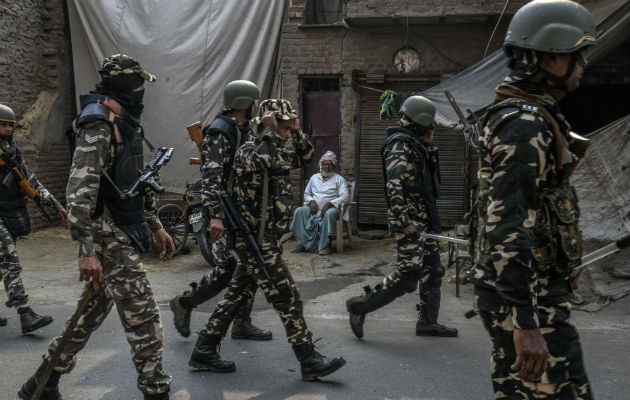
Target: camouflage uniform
pixel 9 262
pixel 126 284
pixel 526 239
pixel 418 258
pixel 250 161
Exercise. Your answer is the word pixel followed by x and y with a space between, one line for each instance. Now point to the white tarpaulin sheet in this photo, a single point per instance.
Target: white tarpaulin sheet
pixel 194 47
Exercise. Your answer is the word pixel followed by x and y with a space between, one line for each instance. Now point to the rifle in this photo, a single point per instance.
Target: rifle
pixel 236 222
pixel 161 158
pixel 28 189
pixel 196 134
pixel 578 146
pixel 471 132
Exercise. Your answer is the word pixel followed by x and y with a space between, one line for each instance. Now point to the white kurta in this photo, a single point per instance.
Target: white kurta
pixel 333 189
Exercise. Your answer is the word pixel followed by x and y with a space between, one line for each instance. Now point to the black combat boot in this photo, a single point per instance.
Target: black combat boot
pixel 371 300
pixel 427 322
pixel 3 321
pixel 183 304
pixel 242 327
pixel 51 389
pixel 31 321
pixel 205 355
pixel 313 365
pixel 181 316
pixel 160 396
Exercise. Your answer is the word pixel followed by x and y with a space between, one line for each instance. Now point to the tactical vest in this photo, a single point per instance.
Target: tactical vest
pixel 428 184
pixel 224 125
pixel 556 239
pixel 13 201
pixel 127 137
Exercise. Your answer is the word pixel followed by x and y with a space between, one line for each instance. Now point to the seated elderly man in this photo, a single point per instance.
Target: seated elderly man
pixel 317 219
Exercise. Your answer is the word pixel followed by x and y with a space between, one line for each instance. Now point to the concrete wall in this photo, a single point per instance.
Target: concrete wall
pixel 449 35
pixel 36 81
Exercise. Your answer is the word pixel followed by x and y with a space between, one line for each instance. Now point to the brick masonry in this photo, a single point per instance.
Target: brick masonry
pixel 36 81
pixel 449 35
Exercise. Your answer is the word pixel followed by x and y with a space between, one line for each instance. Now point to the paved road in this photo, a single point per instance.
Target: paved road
pixel 390 363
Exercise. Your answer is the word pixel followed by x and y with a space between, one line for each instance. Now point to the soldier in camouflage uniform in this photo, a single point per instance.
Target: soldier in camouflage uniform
pixel 14 221
pixel 412 185
pixel 228 131
pixel 526 240
pixel 110 231
pixel 268 158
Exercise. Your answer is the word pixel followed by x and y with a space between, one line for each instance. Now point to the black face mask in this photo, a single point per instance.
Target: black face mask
pixel 121 88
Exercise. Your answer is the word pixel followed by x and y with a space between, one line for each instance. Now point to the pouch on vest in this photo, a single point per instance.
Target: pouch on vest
pixel 133 225
pixel 557 240
pixel 17 222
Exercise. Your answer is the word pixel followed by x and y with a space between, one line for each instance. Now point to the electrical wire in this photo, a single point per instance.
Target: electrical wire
pixel 495 28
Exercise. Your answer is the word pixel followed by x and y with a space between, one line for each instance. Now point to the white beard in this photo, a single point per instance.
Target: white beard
pixel 325 174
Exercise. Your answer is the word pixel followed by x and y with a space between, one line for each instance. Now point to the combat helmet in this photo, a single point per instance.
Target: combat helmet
pixel 281 106
pixel 6 114
pixel 418 109
pixel 553 26
pixel 122 64
pixel 239 95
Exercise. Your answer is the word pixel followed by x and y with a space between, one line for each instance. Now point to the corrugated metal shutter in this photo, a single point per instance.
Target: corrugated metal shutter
pixel 371 205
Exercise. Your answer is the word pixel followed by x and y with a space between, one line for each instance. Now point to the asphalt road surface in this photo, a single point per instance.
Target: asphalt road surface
pixel 389 363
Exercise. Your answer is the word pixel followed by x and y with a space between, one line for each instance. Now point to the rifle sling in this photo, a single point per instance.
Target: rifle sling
pixel 263 210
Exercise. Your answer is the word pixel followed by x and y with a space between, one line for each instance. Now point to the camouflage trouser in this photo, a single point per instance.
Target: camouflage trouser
pixel 224 265
pixel 127 287
pixel 565 377
pixel 285 297
pixel 10 270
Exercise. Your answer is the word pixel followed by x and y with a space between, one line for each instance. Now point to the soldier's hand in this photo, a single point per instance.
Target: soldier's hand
pixel 313 205
pixel 166 244
pixel 411 231
pixel 63 214
pixel 216 228
pixel 269 119
pixel 531 354
pixel 574 279
pixel 90 268
pixel 295 125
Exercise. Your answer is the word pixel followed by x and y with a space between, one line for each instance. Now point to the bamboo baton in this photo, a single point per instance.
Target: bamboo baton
pixel 64 338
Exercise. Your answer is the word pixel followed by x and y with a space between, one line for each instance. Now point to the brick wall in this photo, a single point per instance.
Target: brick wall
pixel 368 46
pixel 36 82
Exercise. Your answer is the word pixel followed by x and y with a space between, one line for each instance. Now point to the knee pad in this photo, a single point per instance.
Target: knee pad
pixel 437 273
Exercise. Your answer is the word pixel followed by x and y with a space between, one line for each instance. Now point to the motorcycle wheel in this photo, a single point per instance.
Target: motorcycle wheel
pixel 174 222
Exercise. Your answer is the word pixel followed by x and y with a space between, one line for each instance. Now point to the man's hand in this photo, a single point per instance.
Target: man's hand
pixel 166 244
pixel 574 278
pixel 90 268
pixel 216 228
pixel 411 231
pixel 295 125
pixel 531 354
pixel 313 205
pixel 63 214
pixel 327 207
pixel 269 119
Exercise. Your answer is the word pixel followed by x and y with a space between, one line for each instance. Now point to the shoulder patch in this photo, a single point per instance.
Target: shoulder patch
pixel 529 107
pixel 90 139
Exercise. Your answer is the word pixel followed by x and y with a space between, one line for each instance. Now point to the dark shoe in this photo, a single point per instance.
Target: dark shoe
pixel 243 329
pixel 206 356
pixel 298 248
pixel 51 389
pixel 427 329
pixel 325 251
pixel 181 316
pixel 3 321
pixel 161 396
pixel 356 324
pixel 313 365
pixel 31 321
